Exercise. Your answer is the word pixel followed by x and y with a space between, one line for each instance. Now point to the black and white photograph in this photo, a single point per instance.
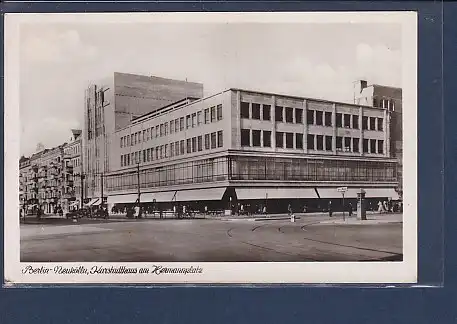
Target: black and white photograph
pixel 211 148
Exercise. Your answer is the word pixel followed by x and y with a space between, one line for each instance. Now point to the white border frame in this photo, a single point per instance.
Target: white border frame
pixel 230 272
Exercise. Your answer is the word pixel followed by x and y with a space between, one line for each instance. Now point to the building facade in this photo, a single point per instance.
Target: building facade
pixel 111 104
pixel 46 179
pixel 73 169
pixel 254 148
pixel 389 98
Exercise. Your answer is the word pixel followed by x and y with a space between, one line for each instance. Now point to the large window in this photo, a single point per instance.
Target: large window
pixel 339 120
pixel 189 145
pixel 279 139
pixel 207 145
pixel 213 140
pixel 199 143
pixel 355 121
pixel 213 114
pixel 372 123
pixel 364 122
pixel 194 144
pixel 199 118
pixel 328 143
pixel 219 112
pixel 279 114
pixel 289 115
pixel 372 146
pixel 347 120
pixel 310 117
pixel 220 139
pixel 172 126
pixel 181 147
pixel 176 125
pixel 194 119
pixel 355 145
pixel 380 124
pixel 181 123
pixel 245 137
pixel 244 109
pixel 266 139
pixel 177 151
pixel 320 142
pixel 365 145
pixel 319 118
pixel 347 144
pixel 328 118
pixel 339 143
pixel 310 142
pixel 255 111
pixel 188 121
pixel 207 116
pixel 255 137
pixel 266 112
pixel 380 146
pixel 299 115
pixel 298 140
pixel 289 140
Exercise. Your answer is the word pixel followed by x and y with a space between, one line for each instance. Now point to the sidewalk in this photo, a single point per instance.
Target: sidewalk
pixel 372 219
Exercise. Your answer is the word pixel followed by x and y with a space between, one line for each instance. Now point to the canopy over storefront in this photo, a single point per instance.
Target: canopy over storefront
pixel 275 193
pixel 122 199
pixel 92 201
pixel 200 194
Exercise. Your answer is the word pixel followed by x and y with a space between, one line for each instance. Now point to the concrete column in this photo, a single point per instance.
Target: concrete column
pixel 261 112
pixel 387 139
pixel 273 123
pixel 237 140
pixel 315 142
pixel 305 126
pixel 361 130
pixel 293 115
pixel 334 129
pixel 250 110
pixel 261 138
pixel 250 136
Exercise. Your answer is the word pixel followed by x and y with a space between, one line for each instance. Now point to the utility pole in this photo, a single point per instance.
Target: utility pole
pixel 101 179
pixel 138 180
pixel 82 189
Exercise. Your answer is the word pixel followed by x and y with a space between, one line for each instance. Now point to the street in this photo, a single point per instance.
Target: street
pixel 310 238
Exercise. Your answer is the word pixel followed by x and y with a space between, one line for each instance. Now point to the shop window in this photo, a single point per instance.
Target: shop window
pixel 328 143
pixel 266 139
pixel 255 138
pixel 255 111
pixel 289 140
pixel 244 109
pixel 279 139
pixel 266 112
pixel 289 115
pixel 298 140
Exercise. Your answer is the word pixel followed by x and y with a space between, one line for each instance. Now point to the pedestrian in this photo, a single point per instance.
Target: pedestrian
pixel 137 211
pixel 289 209
pixel 330 208
pixel 350 209
pixel 264 210
pixel 380 207
pixel 206 210
pixel 241 209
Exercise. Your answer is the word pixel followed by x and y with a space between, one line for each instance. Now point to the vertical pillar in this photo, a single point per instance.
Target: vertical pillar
pixel 361 130
pixel 261 138
pixel 261 112
pixel 293 115
pixel 387 139
pixel 273 122
pixel 335 129
pixel 237 138
pixel 305 125
pixel 250 136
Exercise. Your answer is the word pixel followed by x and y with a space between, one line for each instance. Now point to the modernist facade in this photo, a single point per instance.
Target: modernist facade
pixel 46 178
pixel 109 106
pixel 252 147
pixel 389 98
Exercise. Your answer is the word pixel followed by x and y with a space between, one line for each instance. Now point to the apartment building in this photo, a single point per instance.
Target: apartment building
pixel 388 98
pixel 256 148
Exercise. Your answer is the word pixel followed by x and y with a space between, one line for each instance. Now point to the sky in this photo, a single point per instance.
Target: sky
pixel 58 61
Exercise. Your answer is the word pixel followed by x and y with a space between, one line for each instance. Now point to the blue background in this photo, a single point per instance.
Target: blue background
pixel 437 144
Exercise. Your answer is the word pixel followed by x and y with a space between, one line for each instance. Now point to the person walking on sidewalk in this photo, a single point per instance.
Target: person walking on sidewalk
pixel 289 209
pixel 350 209
pixel 330 208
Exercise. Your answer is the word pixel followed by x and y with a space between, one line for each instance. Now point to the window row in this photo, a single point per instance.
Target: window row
pixel 190 145
pixel 313 117
pixel 247 168
pixel 258 138
pixel 206 116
